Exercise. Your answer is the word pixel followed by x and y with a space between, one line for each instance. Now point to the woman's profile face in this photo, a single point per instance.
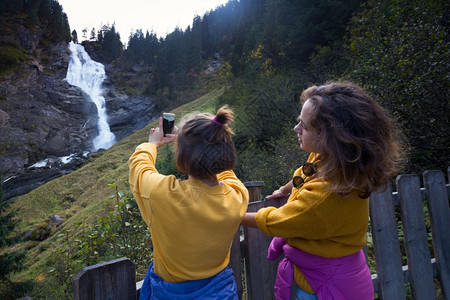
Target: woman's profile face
pixel 307 135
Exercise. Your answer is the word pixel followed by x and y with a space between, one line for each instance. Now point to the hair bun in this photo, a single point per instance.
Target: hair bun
pixel 224 116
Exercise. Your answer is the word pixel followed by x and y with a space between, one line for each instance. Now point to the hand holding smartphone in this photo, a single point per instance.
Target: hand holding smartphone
pixel 168 122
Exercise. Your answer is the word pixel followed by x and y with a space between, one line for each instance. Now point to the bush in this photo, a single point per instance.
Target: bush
pixel 121 233
pixel 11 58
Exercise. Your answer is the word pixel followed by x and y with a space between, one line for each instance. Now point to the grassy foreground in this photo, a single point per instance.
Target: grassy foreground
pixel 83 196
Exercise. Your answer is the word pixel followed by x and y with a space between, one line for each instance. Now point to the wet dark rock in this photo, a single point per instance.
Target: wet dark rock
pixel 44 229
pixel 35 176
pixel 127 114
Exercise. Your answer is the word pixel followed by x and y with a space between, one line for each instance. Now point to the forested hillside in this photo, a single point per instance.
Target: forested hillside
pixel 256 56
pixel 44 18
pixel 398 50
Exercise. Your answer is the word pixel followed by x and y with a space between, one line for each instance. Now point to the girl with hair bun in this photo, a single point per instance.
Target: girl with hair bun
pixel 193 221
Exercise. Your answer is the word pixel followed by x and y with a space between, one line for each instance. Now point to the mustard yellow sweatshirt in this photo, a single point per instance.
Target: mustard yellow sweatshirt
pixel 192 224
pixel 318 222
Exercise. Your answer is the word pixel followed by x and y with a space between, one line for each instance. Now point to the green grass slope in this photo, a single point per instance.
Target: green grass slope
pixel 83 196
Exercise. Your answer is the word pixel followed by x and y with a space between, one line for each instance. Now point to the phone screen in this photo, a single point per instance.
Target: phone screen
pixel 168 122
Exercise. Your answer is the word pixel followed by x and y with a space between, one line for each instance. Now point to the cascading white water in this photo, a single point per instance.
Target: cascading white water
pixel 88 75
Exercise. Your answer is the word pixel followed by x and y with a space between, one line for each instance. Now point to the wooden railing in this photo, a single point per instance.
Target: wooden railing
pixel 255 274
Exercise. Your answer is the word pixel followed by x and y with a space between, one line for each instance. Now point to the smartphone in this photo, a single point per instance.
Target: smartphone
pixel 168 122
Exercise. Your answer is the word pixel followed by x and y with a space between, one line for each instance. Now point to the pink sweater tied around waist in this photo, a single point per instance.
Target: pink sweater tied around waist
pixel 346 277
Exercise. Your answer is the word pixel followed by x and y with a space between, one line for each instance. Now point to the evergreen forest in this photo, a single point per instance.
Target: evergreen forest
pixel 271 50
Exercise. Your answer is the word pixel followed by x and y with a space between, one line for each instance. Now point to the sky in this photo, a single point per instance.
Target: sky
pixel 161 16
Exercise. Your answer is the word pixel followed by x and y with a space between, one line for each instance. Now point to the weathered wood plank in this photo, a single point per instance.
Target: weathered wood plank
pixel 254 190
pixel 115 279
pixel 259 271
pixel 439 211
pixel 386 246
pixel 415 237
pixel 236 262
pixel 253 249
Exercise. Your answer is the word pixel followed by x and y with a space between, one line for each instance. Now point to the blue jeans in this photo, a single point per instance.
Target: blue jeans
pixel 302 295
pixel 220 286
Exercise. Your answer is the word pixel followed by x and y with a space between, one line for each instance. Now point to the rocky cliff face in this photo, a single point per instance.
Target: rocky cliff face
pixel 42 117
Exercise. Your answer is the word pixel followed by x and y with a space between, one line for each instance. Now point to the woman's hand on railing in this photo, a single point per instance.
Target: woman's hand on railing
pixel 276 194
pixel 283 191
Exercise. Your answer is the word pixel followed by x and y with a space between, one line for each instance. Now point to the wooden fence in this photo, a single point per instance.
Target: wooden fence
pixel 255 274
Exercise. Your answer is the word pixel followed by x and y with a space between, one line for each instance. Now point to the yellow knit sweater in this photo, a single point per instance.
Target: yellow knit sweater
pixel 192 224
pixel 318 222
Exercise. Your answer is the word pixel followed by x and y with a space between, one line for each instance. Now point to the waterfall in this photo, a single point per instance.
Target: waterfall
pixel 88 75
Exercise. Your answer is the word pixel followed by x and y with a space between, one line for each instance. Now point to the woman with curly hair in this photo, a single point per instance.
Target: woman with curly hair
pixel 354 150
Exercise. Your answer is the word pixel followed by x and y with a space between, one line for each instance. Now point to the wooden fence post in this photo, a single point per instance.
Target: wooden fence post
pixel 260 272
pixel 386 246
pixel 115 279
pixel 415 237
pixel 236 262
pixel 254 190
pixel 439 211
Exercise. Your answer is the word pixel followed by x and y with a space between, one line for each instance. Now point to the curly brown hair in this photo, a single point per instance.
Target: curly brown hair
pixel 361 146
pixel 204 146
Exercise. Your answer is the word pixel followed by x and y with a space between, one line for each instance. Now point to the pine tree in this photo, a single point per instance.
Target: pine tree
pixel 10 261
pixel 75 36
pixel 111 44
